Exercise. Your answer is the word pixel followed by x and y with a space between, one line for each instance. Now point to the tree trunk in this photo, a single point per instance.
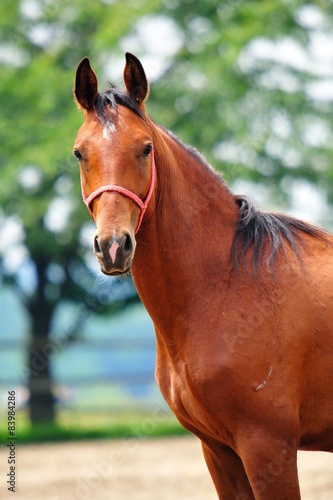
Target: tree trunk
pixel 42 404
pixel 42 408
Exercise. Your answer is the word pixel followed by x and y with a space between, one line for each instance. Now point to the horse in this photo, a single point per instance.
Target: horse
pixel 241 299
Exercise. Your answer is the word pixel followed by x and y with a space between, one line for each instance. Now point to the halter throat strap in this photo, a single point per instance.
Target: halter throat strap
pixel 142 204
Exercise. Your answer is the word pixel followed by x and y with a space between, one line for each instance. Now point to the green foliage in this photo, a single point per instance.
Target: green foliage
pixel 45 41
pixel 259 107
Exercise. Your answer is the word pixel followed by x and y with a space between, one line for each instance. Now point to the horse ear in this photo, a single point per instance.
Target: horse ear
pixel 86 85
pixel 135 79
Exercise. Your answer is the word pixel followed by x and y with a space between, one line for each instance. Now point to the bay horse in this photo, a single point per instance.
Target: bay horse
pixel 241 300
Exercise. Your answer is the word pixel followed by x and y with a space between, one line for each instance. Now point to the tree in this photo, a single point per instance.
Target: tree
pixel 39 191
pixel 238 79
pixel 252 90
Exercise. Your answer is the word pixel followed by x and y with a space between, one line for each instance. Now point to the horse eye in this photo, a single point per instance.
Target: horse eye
pixel 147 150
pixel 77 154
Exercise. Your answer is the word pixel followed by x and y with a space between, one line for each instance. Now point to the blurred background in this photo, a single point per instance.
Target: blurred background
pixel 248 83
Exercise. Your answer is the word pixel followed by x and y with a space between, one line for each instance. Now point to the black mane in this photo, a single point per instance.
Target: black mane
pixel 111 98
pixel 256 228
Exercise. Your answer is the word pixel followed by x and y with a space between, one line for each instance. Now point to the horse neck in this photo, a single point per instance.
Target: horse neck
pixel 186 234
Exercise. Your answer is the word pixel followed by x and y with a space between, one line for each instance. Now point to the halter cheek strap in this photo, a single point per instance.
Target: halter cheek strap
pixel 125 192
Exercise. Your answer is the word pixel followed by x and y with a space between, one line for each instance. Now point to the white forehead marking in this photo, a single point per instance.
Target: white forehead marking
pixel 108 130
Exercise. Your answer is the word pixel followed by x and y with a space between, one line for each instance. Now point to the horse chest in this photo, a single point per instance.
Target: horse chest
pixel 176 391
pixel 185 395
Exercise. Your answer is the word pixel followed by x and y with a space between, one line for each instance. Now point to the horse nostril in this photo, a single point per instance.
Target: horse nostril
pixel 127 245
pixel 97 248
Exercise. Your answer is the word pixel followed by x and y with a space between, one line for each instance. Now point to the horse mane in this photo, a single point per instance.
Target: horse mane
pixel 256 228
pixel 111 98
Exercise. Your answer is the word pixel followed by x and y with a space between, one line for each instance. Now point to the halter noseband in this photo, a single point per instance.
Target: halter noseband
pixel 125 192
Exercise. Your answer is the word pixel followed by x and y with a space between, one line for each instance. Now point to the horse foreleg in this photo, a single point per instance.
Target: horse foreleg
pixel 227 472
pixel 271 466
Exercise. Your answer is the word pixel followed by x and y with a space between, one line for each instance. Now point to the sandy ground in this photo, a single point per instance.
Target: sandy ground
pixel 134 470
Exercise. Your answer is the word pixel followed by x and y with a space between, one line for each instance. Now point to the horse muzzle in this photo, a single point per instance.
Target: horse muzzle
pixel 115 254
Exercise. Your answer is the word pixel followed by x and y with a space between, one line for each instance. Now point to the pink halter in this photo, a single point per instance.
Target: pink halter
pixel 113 187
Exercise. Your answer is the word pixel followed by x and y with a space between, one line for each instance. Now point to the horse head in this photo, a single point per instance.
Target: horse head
pixel 114 147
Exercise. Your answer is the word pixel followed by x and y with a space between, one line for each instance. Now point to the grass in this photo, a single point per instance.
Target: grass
pixel 74 426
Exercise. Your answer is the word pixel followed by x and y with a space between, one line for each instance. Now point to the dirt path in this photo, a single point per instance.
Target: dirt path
pixel 134 470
